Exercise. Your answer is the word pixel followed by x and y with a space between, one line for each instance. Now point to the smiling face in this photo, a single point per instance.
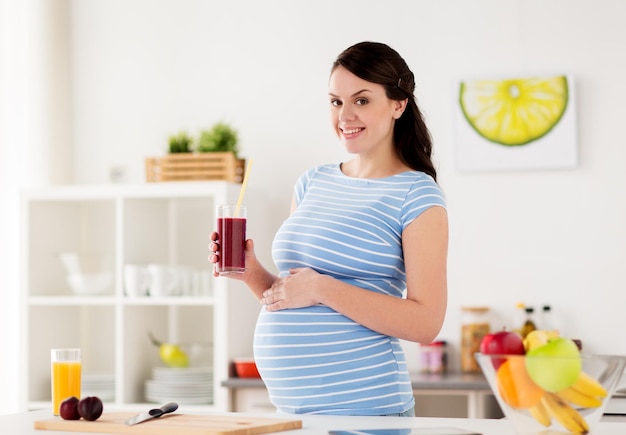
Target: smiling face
pixel 362 115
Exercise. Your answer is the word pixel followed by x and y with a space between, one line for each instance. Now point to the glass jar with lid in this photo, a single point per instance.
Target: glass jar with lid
pixel 474 326
pixel 433 357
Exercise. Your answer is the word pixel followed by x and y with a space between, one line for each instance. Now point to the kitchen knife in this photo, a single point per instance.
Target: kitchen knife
pixel 153 413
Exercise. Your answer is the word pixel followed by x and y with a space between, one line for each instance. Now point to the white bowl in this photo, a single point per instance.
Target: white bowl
pixel 90 284
pixel 88 273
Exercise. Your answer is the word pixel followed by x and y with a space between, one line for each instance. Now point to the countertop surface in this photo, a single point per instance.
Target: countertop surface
pixel 22 424
pixel 420 381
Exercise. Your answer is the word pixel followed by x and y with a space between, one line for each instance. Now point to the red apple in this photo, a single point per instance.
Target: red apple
pixel 502 343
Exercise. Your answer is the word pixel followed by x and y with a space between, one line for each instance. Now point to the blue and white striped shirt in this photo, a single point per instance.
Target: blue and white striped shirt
pixel 314 360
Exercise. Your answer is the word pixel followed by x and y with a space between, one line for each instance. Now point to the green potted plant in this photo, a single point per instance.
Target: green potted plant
pixel 215 157
pixel 220 138
pixel 180 143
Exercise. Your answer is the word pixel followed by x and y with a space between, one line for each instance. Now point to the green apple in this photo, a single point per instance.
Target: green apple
pixel 555 365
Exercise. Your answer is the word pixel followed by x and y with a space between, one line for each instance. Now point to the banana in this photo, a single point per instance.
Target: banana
pixel 538 338
pixel 541 414
pixel 534 339
pixel 553 333
pixel 578 398
pixel 567 416
pixel 585 384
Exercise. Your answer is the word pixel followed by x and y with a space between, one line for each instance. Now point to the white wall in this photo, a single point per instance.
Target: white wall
pixel 35 145
pixel 143 69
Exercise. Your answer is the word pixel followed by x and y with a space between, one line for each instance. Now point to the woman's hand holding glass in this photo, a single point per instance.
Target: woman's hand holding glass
pixel 214 257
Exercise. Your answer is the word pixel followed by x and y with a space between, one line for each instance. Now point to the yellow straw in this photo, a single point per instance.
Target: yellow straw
pixel 243 187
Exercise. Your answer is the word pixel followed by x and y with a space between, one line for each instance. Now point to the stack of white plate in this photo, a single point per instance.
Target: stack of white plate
pixel 186 386
pixel 100 385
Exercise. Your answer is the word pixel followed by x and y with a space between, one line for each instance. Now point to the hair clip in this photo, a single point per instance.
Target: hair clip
pixel 399 81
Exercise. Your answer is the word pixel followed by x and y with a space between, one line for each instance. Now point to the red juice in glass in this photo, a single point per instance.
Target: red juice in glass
pixel 231 228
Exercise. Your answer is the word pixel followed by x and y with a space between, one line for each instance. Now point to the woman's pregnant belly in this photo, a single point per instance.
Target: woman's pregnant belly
pixel 314 357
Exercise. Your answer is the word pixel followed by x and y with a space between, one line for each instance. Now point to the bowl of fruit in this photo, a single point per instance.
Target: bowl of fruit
pixel 545 384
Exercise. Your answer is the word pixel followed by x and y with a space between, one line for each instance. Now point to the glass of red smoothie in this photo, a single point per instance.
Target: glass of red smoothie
pixel 231 229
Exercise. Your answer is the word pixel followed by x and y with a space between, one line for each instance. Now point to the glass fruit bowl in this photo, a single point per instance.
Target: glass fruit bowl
pixel 532 391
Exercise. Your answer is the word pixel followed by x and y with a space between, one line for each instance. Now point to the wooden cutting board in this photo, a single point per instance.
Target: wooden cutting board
pixel 172 424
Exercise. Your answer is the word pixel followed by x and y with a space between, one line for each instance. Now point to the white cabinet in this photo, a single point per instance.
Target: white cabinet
pixel 160 223
pixel 253 400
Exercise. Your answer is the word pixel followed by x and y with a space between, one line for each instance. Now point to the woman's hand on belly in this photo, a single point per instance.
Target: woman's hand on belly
pixel 299 289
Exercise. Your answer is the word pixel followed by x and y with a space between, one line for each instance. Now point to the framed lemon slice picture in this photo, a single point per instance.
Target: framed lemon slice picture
pixel 515 123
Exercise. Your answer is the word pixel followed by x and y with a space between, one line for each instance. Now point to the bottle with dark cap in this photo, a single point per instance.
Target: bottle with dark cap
pixel 529 323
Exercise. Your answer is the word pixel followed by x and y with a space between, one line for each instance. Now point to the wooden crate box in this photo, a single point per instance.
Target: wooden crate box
pixel 216 166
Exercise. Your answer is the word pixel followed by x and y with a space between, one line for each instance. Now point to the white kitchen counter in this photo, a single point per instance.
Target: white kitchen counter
pixel 22 424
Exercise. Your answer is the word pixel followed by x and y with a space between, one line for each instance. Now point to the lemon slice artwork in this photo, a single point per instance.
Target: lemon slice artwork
pixel 514 112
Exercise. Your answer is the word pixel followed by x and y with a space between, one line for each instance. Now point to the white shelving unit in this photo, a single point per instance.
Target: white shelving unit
pixel 163 223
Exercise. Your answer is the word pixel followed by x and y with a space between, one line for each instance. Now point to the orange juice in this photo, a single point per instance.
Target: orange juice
pixel 65 382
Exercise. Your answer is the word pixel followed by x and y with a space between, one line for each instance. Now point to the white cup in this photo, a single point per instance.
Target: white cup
pixel 164 280
pixel 206 278
pixel 136 280
pixel 185 274
pixel 195 283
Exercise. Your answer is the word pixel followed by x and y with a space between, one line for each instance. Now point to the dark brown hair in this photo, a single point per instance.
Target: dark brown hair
pixel 378 63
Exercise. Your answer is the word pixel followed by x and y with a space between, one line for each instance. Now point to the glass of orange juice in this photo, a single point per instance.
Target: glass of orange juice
pixel 66 368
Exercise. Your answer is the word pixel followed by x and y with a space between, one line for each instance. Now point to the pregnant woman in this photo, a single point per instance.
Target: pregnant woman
pixel 362 256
